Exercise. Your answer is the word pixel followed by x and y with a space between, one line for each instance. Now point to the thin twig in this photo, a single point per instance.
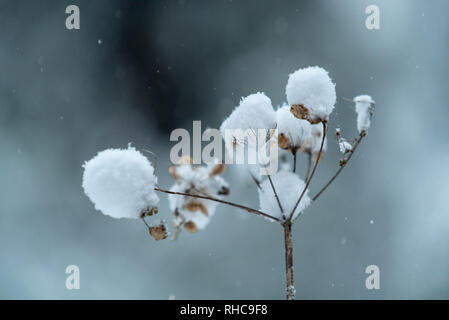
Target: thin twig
pixel 344 163
pixel 311 175
pixel 251 210
pixel 294 161
pixel 255 180
pixel 309 166
pixel 143 219
pixel 276 195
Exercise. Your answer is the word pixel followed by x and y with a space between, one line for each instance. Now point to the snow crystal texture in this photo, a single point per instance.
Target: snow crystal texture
pixel 313 88
pixel 364 106
pixel 254 112
pixel 297 131
pixel 120 183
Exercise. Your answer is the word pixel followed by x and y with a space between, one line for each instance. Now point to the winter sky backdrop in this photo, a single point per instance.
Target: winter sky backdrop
pixel 136 70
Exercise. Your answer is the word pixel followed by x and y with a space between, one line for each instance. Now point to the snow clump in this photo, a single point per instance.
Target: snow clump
pixel 120 183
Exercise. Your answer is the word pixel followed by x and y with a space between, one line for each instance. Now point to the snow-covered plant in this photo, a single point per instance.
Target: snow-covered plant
pixel 254 112
pixel 311 94
pixel 344 145
pixel 121 182
pixel 278 196
pixel 194 213
pixel 364 106
pixel 293 133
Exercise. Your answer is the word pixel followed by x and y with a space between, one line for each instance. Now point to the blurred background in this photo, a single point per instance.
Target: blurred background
pixel 136 70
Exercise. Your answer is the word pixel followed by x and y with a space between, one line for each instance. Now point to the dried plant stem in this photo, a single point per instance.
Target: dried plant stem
pixel 311 175
pixel 294 161
pixel 255 180
pixel 251 210
pixel 143 219
pixel 343 164
pixel 309 166
pixel 289 281
pixel 275 194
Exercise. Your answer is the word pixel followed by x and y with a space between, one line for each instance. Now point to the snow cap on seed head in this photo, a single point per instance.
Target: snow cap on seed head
pixel 120 183
pixel 311 94
pixel 254 112
pixel 364 106
pixel 293 133
pixel 343 144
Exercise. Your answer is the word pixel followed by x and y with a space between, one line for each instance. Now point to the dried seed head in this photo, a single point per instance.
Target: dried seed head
pixel 224 191
pixel 283 142
pixel 196 181
pixel 195 205
pixel 217 169
pixel 293 133
pixel 149 211
pixel 300 111
pixel 190 227
pixel 158 232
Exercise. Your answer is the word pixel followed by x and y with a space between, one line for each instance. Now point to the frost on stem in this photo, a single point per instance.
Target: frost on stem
pixel 120 183
pixel 290 290
pixel 311 94
pixel 343 144
pixel 287 185
pixel 364 106
pixel 190 212
pixel 293 133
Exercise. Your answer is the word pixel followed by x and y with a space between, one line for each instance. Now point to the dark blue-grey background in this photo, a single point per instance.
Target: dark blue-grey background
pixel 64 95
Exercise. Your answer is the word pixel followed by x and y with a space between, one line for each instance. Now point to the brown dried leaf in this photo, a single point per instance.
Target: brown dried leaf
pixel 195 206
pixel 300 111
pixel 217 169
pixel 190 226
pixel 283 142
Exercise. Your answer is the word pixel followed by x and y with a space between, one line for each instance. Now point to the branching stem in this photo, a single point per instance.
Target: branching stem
pixel 251 210
pixel 275 194
pixel 311 175
pixel 343 164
